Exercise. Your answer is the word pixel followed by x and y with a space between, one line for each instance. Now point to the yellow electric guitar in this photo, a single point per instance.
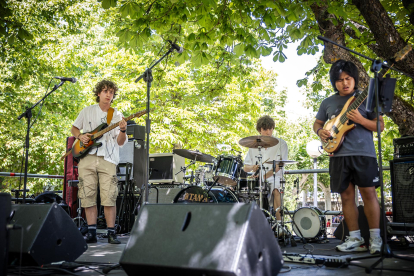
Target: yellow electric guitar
pixel 80 149
pixel 340 126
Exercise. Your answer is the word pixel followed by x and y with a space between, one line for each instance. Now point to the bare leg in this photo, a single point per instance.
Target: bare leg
pixel 91 214
pixel 349 208
pixel 110 215
pixel 277 203
pixel 371 206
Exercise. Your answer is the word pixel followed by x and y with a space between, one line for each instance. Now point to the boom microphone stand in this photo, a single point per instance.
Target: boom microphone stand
pixel 386 103
pixel 28 115
pixel 147 76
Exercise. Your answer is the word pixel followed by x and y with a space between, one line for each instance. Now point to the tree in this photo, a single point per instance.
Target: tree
pixel 195 108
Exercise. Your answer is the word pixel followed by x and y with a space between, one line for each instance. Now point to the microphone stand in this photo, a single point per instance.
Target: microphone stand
pixel 147 76
pixel 28 115
pixel 385 249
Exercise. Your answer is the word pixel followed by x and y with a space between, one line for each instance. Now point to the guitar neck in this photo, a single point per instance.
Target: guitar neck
pixel 358 101
pixel 111 127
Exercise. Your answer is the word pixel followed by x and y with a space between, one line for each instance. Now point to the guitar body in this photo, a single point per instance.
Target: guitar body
pixel 337 130
pixel 80 149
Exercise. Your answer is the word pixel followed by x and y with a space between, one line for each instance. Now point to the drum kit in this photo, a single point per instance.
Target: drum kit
pixel 223 180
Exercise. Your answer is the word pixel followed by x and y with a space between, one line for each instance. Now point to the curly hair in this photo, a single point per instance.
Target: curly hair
pixel 102 85
pixel 343 66
pixel 265 122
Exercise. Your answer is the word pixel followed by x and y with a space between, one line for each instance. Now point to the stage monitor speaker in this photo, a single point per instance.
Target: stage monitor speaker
pixel 134 152
pixel 5 209
pixel 202 239
pixel 48 233
pixel 164 168
pixel 165 193
pixel 402 187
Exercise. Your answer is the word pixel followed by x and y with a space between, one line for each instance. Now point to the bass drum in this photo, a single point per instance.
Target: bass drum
pixel 195 194
pixel 310 221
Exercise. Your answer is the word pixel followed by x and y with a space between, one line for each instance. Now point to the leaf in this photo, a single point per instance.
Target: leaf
pixel 106 4
pixel 239 49
pixel 265 51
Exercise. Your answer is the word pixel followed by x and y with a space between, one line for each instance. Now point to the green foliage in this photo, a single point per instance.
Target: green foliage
pixel 195 108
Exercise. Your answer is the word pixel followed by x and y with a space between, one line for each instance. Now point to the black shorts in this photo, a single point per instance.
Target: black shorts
pixel 359 170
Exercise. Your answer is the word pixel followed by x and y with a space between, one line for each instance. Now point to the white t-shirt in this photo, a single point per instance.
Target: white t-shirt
pixel 270 154
pixel 90 118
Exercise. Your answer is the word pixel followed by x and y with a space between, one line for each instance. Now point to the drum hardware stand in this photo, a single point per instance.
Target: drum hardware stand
pixel 209 189
pixel 183 169
pixel 287 235
pixel 260 176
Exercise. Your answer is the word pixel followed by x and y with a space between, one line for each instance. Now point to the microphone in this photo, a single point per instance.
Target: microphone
pixel 176 47
pixel 73 80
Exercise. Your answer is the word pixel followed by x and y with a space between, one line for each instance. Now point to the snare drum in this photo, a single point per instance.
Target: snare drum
pixel 310 221
pixel 195 194
pixel 228 169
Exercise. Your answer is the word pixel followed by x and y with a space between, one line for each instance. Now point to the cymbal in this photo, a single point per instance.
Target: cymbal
pixel 194 155
pixel 282 161
pixel 259 141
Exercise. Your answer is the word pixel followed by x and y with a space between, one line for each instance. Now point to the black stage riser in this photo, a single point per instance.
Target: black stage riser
pixel 49 235
pixel 5 209
pixel 201 239
pixel 402 186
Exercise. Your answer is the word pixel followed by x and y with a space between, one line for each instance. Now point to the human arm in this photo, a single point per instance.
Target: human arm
pixel 371 125
pixel 318 129
pixel 122 136
pixel 84 138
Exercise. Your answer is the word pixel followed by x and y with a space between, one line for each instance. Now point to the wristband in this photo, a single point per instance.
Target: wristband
pixel 317 132
pixel 123 131
pixel 79 136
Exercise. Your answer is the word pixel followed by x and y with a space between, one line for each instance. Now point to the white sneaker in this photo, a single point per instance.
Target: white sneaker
pixel 375 245
pixel 352 245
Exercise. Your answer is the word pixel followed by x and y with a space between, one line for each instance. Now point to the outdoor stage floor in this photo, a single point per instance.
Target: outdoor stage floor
pixel 104 253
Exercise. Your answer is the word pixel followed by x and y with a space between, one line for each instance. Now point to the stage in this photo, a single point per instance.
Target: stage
pixel 103 255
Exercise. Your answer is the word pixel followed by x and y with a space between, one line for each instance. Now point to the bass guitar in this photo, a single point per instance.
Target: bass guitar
pixel 340 126
pixel 80 149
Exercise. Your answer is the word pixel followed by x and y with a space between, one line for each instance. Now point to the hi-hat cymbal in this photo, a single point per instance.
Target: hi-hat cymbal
pixel 194 155
pixel 223 180
pixel 283 162
pixel 259 141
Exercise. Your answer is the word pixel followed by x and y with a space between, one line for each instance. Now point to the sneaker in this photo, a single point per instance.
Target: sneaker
pixel 375 245
pixel 352 245
pixel 91 238
pixel 112 239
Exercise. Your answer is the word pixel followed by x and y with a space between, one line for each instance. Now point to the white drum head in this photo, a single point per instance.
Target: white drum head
pixel 308 222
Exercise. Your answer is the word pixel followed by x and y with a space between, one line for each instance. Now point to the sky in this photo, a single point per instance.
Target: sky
pixel 289 72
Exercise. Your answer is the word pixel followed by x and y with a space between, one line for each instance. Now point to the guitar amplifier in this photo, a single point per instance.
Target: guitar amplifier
pixel 404 147
pixel 136 132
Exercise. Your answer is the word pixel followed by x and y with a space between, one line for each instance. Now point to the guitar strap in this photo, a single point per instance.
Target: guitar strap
pixel 109 116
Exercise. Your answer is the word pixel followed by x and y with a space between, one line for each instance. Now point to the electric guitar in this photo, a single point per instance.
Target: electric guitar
pixel 340 126
pixel 80 149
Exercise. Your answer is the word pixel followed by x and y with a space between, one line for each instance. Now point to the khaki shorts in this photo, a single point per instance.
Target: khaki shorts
pixel 93 171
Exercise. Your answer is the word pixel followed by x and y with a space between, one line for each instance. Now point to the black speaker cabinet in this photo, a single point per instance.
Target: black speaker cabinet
pixel 134 152
pixel 49 235
pixel 402 187
pixel 5 208
pixel 201 239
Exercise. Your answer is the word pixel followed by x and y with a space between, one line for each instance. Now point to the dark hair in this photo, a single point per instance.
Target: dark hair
pixel 343 66
pixel 102 85
pixel 265 122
